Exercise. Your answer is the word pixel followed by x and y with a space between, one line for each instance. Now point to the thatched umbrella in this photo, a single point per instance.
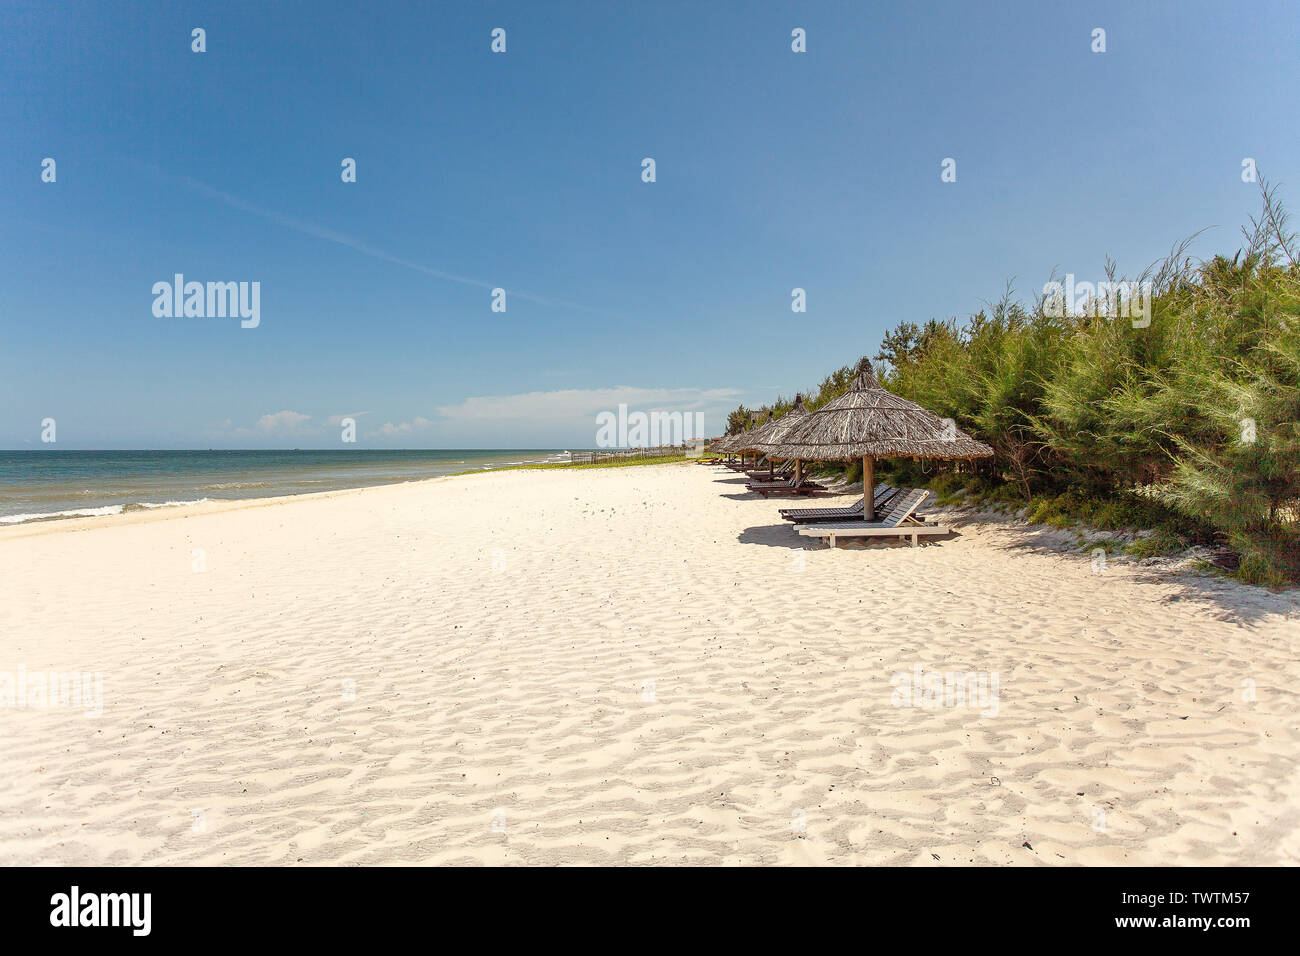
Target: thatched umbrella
pixel 727 447
pixel 752 439
pixel 869 422
pixel 727 444
pixel 782 427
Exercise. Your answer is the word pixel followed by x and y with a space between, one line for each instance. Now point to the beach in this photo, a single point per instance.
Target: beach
pixel 638 665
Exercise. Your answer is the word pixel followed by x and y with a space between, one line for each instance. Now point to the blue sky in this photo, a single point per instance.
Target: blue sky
pixel 522 170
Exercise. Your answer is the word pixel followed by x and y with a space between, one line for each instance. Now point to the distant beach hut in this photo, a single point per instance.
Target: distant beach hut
pixel 869 422
pixel 781 428
pixel 722 445
pixel 729 446
pixel 750 439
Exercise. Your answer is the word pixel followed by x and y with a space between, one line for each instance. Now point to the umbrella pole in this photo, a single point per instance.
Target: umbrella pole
pixel 798 472
pixel 868 488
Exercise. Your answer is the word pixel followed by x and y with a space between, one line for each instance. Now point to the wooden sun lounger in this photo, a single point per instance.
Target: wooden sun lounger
pixel 899 522
pixel 883 495
pixel 748 466
pixel 786 469
pixel 766 488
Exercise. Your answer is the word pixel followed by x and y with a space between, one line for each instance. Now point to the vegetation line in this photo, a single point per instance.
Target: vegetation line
pixel 1186 422
pixel 584 466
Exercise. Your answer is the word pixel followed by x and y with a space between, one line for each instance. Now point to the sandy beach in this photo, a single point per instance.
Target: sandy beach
pixel 627 666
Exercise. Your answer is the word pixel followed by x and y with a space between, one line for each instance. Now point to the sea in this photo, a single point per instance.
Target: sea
pixel 47 485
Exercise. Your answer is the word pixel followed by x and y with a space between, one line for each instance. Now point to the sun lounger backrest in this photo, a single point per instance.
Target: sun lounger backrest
pixel 907 503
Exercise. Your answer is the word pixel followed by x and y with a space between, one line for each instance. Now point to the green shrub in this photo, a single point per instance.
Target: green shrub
pixel 1160 543
pixel 1189 425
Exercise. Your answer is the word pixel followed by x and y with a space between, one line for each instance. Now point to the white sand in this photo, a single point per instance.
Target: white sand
pixel 1121 736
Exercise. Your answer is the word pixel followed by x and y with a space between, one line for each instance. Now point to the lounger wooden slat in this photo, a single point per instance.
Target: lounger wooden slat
pixel 883 495
pixel 766 488
pixel 823 514
pixel 897 523
pixel 785 470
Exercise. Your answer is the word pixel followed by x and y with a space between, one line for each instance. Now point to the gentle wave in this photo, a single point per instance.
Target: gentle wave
pixel 47 485
pixel 75 513
pixel 99 512
pixel 148 505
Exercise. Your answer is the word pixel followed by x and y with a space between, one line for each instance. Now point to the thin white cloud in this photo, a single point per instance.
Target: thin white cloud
pixel 526 419
pixel 539 419
pixel 581 404
pixel 337 420
pixel 389 430
pixel 285 422
pixel 282 424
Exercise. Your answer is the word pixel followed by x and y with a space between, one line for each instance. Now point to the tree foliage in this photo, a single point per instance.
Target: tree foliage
pixel 1198 411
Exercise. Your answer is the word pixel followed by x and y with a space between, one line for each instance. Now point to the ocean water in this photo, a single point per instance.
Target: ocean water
pixel 45 485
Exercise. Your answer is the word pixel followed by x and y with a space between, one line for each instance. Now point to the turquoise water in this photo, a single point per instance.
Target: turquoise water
pixel 42 485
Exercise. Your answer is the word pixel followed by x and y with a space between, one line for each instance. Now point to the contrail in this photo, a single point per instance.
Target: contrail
pixel 329 235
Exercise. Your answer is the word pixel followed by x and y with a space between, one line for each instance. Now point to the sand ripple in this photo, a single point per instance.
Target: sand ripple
pixel 627 666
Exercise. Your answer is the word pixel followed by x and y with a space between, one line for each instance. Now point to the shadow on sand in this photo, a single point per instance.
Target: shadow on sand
pixel 784 536
pixel 1233 600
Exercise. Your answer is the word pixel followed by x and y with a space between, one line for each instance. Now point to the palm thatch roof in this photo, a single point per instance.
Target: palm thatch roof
pixel 869 422
pixel 784 425
pixel 749 439
pixel 727 443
